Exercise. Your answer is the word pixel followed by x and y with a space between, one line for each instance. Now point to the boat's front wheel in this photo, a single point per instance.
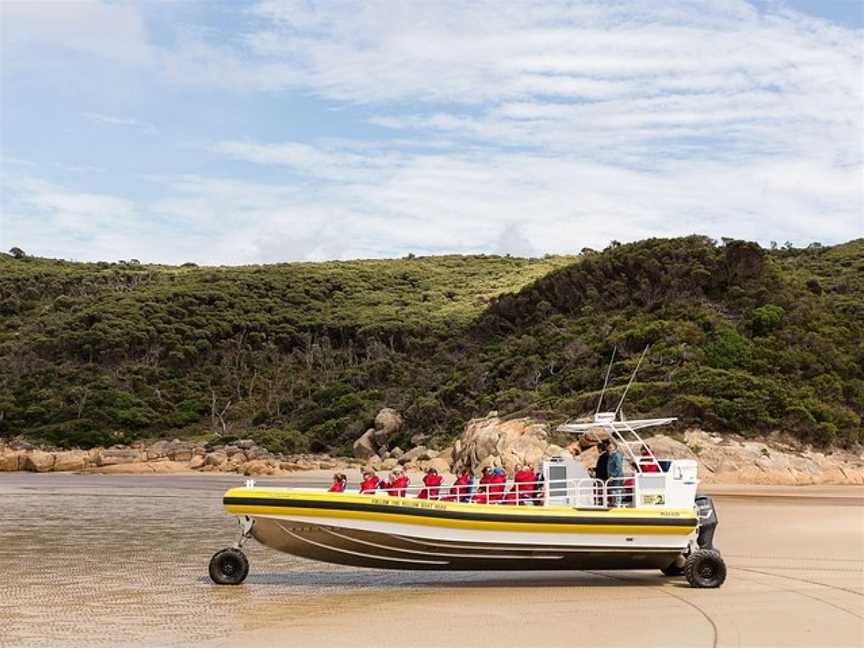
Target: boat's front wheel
pixel 229 567
pixel 705 568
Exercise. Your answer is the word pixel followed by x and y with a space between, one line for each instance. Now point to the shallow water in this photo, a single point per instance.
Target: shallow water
pixel 96 564
pixel 122 560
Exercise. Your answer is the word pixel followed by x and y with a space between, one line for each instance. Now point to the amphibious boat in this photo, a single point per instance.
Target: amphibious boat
pixel 650 519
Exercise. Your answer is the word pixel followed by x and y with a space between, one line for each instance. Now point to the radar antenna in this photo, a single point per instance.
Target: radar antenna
pixel 632 378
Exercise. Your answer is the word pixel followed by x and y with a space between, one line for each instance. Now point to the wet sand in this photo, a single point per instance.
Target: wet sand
pixel 89 560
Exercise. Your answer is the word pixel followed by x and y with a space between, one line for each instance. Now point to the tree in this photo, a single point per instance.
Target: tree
pixel 17 252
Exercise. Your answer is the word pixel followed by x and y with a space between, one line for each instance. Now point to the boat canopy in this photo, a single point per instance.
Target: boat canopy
pixel 621 430
pixel 619 426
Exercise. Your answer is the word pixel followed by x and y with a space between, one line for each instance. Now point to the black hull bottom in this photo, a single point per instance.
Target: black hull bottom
pixel 388 551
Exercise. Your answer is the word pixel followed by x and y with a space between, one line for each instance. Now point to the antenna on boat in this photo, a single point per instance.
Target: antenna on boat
pixel 605 382
pixel 632 378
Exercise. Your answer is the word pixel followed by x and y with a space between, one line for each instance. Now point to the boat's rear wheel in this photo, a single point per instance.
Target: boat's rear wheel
pixel 705 568
pixel 229 567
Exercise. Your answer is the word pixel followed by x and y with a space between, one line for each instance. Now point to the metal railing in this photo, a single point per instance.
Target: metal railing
pixel 585 492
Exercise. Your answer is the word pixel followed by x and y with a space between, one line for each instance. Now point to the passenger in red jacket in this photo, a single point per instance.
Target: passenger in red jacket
pixel 432 481
pixel 647 461
pixel 340 481
pixel 370 482
pixel 460 491
pixel 523 482
pixel 482 495
pixel 499 485
pixel 398 483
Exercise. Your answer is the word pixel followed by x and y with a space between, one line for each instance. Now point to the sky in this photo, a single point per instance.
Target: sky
pixel 258 132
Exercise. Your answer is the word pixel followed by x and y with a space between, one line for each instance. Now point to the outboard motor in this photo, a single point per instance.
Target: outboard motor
pixel 707 521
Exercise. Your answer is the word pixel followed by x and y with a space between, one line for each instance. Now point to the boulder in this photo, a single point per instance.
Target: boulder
pixel 245 444
pixel 158 450
pixel 237 458
pixel 70 460
pixel 141 468
pixel 374 463
pixel 38 461
pixel 215 459
pixel 396 452
pixel 419 438
pixel 180 451
pixel 491 441
pixel 364 447
pixel 196 462
pixel 113 456
pixel 413 454
pixel 554 451
pixel 258 467
pixel 387 422
pixel 388 464
pixel 446 454
pixel 11 460
pixel 441 465
pixel 256 452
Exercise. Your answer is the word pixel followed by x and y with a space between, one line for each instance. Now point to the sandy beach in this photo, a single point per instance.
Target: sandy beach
pixel 92 560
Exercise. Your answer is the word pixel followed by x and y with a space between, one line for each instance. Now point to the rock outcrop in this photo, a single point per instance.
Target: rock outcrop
pixel 38 461
pixel 387 422
pixel 364 447
pixel 492 441
pixel 373 441
pixel 731 459
pixel 722 459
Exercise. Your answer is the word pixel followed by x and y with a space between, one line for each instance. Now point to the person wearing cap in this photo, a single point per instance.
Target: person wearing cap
pixel 340 481
pixel 499 485
pixel 370 482
pixel 432 482
pixel 398 483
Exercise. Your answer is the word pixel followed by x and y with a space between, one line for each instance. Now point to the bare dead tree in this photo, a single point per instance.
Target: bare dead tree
pixel 217 416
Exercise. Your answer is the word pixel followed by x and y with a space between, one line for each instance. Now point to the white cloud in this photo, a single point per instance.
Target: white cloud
pixel 535 127
pixel 121 121
pixel 108 30
pixel 626 80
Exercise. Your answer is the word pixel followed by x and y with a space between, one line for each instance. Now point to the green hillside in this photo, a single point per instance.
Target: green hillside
pixel 302 355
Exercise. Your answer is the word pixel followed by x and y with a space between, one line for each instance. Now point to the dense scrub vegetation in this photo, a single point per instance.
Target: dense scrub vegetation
pixel 301 356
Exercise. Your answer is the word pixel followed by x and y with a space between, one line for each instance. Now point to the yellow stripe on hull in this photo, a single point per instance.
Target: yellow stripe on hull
pixel 404 516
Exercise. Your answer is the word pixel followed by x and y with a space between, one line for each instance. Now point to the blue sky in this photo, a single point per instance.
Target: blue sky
pixel 231 133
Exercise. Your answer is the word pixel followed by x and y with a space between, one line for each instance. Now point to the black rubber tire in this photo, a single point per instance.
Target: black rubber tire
pixel 705 569
pixel 229 567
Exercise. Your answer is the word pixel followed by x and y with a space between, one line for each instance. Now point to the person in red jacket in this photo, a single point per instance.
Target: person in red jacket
pixel 398 483
pixel 370 482
pixel 432 481
pixel 460 491
pixel 523 483
pixel 647 462
pixel 499 485
pixel 482 495
pixel 340 481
